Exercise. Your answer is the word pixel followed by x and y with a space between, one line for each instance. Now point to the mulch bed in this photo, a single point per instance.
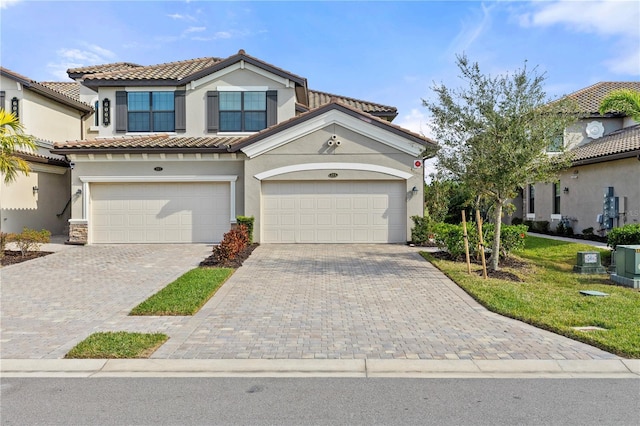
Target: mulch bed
pixel 211 261
pixel 509 262
pixel 12 257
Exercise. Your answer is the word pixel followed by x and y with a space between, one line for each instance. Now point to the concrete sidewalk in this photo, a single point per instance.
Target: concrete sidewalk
pixel 99 368
pixel 570 240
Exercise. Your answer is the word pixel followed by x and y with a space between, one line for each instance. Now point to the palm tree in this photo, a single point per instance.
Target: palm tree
pixel 13 139
pixel 626 101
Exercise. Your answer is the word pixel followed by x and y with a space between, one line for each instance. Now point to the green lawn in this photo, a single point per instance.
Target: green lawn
pixel 549 297
pixel 186 295
pixel 119 344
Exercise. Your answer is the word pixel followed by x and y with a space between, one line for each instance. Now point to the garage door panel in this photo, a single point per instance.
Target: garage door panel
pixel 159 212
pixel 342 212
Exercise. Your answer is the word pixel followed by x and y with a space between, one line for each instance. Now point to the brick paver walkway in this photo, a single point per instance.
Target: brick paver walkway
pixel 287 301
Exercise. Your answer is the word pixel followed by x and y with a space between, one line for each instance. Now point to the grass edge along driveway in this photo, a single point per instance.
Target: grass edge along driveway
pixel 186 295
pixel 549 296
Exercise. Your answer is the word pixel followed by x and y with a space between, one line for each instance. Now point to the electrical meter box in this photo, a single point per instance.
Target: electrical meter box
pixel 627 258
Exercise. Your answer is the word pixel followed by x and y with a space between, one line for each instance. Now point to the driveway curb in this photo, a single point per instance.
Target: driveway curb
pixel 320 368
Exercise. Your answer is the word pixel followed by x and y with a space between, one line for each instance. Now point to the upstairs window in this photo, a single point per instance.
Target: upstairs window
pixel 243 111
pixel 150 112
pixel 556 145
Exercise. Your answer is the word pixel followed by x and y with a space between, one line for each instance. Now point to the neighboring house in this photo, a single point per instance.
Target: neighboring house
pixel 605 152
pixel 182 148
pixel 40 200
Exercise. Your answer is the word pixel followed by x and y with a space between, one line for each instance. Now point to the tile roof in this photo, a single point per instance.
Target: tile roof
pixel 166 71
pixel 155 141
pixel 67 88
pixel 317 98
pixel 92 69
pixel 620 142
pixel 46 91
pixel 158 142
pixel 37 157
pixel 589 98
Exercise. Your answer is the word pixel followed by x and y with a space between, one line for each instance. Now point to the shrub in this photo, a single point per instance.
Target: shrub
pixel 587 231
pixel 451 238
pixel 233 242
pixel 30 239
pixel 628 234
pixel 541 226
pixel 516 221
pixel 4 237
pixel 422 230
pixel 248 222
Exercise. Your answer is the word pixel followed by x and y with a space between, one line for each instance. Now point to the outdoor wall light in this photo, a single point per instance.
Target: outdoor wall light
pixel 414 190
pixel 565 190
pixel 35 190
pixel 14 107
pixel 79 191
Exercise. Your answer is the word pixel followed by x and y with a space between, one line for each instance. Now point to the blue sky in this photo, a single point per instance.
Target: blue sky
pixel 385 52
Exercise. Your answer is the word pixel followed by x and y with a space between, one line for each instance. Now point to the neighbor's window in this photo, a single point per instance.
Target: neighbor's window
pixel 556 198
pixel 532 199
pixel 556 144
pixel 243 111
pixel 151 112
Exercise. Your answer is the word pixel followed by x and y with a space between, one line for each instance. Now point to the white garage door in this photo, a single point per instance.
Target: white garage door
pixel 159 212
pixel 334 212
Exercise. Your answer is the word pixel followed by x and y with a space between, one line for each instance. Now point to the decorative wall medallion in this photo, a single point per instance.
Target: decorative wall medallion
pixel 595 130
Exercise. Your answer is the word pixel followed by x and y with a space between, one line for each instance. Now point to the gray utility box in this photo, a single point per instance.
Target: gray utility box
pixel 627 258
pixel 588 262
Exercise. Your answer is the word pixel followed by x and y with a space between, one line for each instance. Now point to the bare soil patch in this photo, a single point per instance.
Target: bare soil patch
pixel 12 257
pixel 211 261
pixel 508 262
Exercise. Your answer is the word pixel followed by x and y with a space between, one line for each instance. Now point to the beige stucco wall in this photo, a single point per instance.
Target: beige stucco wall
pixel 196 98
pixel 312 148
pixel 585 184
pixel 42 117
pixel 21 207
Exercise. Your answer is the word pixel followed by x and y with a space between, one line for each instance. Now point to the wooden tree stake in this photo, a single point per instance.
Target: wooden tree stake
pixel 484 262
pixel 466 241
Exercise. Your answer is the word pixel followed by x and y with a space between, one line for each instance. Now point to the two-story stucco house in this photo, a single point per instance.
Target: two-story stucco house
pixel 183 148
pixel 49 113
pixel 605 152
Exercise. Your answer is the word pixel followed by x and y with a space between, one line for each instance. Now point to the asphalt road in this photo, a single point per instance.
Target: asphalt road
pixel 257 401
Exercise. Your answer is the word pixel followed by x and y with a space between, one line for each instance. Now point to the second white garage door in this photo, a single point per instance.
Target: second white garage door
pixel 159 212
pixel 334 212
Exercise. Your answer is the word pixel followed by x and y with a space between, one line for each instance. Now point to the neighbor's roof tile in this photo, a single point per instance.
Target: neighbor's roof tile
pixel 67 88
pixel 92 69
pixel 618 142
pixel 589 98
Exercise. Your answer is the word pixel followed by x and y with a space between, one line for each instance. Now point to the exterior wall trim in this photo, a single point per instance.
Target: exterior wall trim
pixel 326 119
pixel 333 166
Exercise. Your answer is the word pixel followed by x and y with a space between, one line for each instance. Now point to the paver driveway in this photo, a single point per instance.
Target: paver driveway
pixel 287 301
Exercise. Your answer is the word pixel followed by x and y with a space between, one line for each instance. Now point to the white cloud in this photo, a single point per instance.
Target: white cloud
pixel 181 17
pixel 72 58
pixel 416 121
pixel 606 18
pixel 6 3
pixel 472 29
pixel 195 30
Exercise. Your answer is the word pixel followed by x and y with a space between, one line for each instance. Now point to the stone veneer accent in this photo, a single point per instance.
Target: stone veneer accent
pixel 78 232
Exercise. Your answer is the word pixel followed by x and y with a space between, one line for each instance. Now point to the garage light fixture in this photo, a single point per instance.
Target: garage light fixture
pixel 414 190
pixel 35 190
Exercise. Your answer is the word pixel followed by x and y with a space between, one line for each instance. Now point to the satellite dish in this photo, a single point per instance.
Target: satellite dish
pixel 595 130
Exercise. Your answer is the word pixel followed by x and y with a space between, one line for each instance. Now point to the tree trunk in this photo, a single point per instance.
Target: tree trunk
pixel 495 249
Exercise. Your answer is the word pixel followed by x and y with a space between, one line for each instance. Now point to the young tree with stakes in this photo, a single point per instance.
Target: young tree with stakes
pixel 494 134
